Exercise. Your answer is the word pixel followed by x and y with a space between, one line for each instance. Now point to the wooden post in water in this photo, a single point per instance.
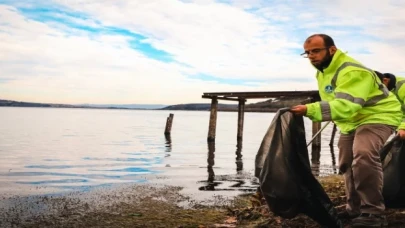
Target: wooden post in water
pixel 241 113
pixel 316 143
pixel 169 122
pixel 213 120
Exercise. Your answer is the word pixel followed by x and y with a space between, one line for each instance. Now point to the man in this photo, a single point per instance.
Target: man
pixel 395 85
pixel 366 114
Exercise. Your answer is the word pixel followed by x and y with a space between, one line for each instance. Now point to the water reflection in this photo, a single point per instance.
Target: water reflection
pixel 211 161
pixel 316 157
pixel 239 161
pixel 231 182
pixel 74 149
pixel 210 184
pixel 315 167
pixel 168 145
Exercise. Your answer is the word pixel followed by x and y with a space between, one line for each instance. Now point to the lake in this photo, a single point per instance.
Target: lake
pixel 54 150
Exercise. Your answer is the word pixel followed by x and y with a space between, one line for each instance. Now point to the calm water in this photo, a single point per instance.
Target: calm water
pixel 45 150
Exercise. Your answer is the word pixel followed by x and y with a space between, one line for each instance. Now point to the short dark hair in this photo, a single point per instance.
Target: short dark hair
pixel 393 80
pixel 379 74
pixel 327 40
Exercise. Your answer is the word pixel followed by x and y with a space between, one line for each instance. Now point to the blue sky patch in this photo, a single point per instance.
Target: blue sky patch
pixel 149 51
pixel 53 16
pixel 229 81
pixel 244 82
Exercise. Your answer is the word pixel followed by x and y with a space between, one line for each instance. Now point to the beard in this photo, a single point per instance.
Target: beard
pixel 325 62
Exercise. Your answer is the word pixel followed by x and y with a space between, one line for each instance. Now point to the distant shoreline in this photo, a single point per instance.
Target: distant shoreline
pixel 265 106
pixel 140 109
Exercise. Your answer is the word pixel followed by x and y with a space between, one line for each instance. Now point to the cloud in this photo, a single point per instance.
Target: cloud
pixel 83 51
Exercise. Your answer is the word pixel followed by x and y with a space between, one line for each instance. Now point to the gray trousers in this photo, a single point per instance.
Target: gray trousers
pixel 360 164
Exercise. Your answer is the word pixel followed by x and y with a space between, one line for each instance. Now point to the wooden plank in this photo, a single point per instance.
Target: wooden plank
pixel 263 94
pixel 220 98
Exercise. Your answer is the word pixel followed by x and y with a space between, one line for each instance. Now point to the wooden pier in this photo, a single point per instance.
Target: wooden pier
pixel 242 97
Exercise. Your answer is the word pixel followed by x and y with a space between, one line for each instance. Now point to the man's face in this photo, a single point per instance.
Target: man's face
pixel 318 54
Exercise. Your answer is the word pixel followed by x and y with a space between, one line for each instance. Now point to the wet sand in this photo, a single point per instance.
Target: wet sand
pixel 140 205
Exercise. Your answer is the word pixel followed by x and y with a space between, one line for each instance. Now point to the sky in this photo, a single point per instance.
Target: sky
pixel 171 51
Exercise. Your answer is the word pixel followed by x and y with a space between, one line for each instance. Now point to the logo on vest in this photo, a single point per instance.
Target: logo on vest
pixel 328 89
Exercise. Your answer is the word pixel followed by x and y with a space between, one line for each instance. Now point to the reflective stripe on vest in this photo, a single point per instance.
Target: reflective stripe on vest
pixel 325 110
pixel 349 97
pixel 359 101
pixel 325 107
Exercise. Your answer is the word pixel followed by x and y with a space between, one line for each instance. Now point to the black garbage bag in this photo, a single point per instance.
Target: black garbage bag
pixel 393 160
pixel 284 172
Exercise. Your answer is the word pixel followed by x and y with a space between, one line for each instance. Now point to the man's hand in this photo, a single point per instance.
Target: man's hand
pixel 301 110
pixel 401 134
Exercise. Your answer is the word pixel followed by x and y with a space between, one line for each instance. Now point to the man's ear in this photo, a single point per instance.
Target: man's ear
pixel 332 50
pixel 386 81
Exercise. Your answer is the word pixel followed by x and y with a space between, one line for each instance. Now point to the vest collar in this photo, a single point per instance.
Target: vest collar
pixel 334 64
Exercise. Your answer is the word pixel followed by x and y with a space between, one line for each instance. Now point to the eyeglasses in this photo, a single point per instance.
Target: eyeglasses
pixel 313 51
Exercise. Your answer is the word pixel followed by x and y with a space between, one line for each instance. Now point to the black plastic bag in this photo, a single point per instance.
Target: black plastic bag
pixel 393 160
pixel 284 172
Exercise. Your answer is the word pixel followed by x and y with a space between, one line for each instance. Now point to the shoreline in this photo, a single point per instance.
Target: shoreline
pixel 145 205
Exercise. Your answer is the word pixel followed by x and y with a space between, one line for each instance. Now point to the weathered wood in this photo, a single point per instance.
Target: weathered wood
pixel 221 98
pixel 274 94
pixel 241 113
pixel 316 143
pixel 307 101
pixel 213 120
pixel 169 122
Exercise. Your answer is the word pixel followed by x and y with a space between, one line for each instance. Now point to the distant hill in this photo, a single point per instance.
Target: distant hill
pixel 199 106
pixel 270 105
pixel 10 103
pixel 32 104
pixel 127 106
